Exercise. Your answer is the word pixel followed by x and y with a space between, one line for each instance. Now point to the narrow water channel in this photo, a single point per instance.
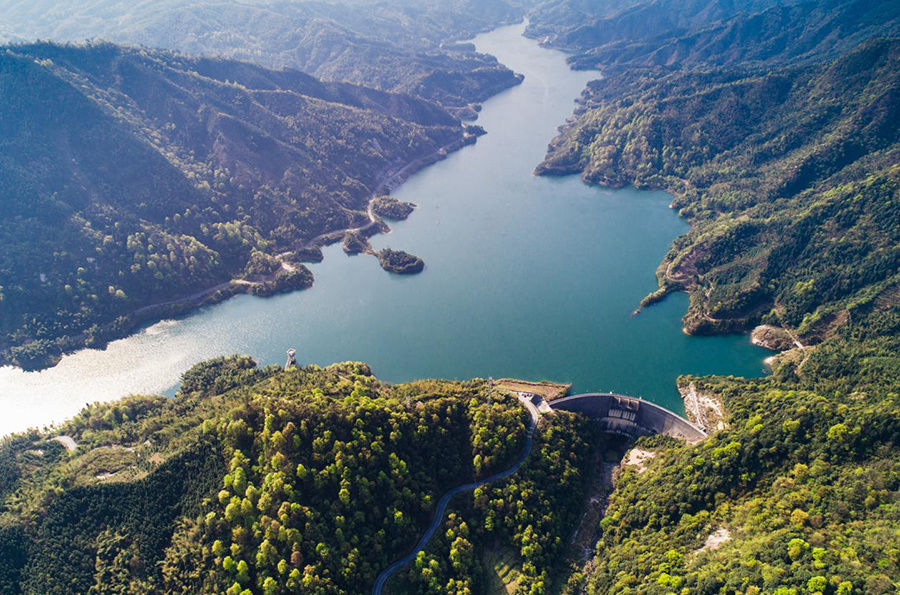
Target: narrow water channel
pixel 528 277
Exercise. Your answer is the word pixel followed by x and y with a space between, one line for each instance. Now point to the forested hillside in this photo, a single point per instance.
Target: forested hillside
pixel 264 481
pixel 314 479
pixel 134 177
pixel 789 178
pixel 396 46
pixel 788 174
pixel 800 494
pixel 785 33
pixel 612 35
pixel 516 535
pixel 582 25
pixel 776 128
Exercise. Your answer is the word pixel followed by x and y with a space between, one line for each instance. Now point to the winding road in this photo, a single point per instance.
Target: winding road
pixel 384 185
pixel 448 496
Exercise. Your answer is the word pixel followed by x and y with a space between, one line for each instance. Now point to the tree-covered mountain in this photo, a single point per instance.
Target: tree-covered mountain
pixel 800 494
pixel 315 479
pixel 782 156
pixel 138 174
pixel 581 25
pixel 396 46
pixel 776 130
pixel 255 480
pixel 789 179
pixel 135 177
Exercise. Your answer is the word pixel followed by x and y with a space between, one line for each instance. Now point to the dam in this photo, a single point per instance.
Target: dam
pixel 629 416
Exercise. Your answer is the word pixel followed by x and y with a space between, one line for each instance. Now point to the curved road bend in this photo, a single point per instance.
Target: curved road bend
pixel 445 500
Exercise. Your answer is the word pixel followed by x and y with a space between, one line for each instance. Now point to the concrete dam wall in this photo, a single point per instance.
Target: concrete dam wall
pixel 630 416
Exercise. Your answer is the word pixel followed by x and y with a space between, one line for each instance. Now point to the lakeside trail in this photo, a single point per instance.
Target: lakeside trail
pixel 181 305
pixel 384 184
pixel 441 509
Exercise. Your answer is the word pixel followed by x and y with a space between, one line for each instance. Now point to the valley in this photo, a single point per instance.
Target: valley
pixel 513 263
pixel 458 413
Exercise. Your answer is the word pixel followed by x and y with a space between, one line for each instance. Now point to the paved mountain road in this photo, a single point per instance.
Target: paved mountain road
pixel 448 496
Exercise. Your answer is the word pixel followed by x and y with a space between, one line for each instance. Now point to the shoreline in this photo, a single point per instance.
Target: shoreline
pixel 131 322
pixel 151 360
pixel 667 282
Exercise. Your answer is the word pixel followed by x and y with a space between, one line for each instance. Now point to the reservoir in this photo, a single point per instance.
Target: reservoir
pixel 525 277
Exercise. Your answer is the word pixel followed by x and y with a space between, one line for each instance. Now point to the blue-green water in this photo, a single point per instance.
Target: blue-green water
pixel 527 277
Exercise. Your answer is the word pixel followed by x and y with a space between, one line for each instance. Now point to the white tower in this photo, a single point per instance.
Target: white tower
pixel 291 360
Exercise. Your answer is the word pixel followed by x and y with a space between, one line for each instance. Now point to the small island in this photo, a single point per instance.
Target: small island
pixel 267 275
pixel 391 208
pixel 399 262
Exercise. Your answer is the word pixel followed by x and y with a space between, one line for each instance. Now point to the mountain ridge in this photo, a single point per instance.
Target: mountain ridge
pixel 392 45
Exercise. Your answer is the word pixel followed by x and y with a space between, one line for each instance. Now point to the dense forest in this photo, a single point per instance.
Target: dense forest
pixel 314 479
pixel 514 536
pixel 398 46
pixel 135 177
pixel 774 124
pixel 800 493
pixel 267 481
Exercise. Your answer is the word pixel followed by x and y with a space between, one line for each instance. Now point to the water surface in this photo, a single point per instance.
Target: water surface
pixel 527 277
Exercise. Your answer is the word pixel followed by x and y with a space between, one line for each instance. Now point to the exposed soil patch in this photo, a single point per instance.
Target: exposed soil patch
pixel 638 457
pixel 68 442
pixel 771 337
pixel 548 390
pixel 702 408
pixel 716 539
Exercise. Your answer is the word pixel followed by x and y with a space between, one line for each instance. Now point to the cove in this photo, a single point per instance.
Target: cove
pixel 527 277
